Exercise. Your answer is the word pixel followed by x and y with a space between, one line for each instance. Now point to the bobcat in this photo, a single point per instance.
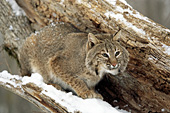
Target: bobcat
pixel 74 60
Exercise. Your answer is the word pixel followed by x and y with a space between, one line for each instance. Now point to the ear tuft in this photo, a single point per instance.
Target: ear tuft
pixel 117 36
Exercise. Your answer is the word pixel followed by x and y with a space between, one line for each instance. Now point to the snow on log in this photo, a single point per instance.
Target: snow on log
pixel 49 98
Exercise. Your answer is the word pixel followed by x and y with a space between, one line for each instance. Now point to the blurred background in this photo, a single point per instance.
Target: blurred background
pixel 157 10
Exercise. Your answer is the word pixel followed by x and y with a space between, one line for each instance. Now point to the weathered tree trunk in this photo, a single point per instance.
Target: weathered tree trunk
pixel 14 28
pixel 145 87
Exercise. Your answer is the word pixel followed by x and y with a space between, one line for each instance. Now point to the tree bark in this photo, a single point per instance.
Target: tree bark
pixel 145 87
pixel 14 28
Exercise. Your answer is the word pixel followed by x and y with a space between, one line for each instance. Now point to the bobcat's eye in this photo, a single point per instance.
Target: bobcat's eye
pixel 105 55
pixel 117 53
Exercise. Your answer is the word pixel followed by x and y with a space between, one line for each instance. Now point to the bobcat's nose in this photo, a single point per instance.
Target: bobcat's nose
pixel 114 65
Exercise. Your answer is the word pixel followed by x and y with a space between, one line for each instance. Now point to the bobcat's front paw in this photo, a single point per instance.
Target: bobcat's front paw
pixel 90 94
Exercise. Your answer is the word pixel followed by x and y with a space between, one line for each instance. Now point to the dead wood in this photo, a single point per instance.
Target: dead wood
pixel 145 87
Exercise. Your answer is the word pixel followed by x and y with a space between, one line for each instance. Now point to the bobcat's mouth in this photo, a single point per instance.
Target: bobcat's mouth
pixel 108 68
pixel 111 67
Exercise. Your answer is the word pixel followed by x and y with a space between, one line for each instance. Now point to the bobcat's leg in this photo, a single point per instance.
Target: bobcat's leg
pixel 56 86
pixel 79 87
pixel 25 69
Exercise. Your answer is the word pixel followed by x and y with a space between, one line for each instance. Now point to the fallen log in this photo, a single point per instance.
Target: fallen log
pixel 145 87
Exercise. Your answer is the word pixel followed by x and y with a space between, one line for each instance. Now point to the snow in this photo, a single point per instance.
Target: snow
pixel 124 1
pixel 167 30
pixel 5 78
pixel 68 100
pixel 79 1
pixel 113 2
pixel 87 4
pixel 152 58
pixel 16 9
pixel 11 27
pixel 61 2
pixel 163 47
pixel 167 49
pixel 163 110
pixel 137 14
pixel 119 17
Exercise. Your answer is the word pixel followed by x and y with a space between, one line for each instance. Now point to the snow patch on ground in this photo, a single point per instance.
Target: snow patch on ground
pixel 70 101
pixel 16 9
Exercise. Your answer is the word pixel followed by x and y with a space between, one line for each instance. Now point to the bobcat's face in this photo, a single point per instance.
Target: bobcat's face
pixel 106 56
pixel 112 58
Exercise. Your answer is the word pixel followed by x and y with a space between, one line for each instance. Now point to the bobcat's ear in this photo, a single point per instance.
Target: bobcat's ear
pixel 92 41
pixel 117 36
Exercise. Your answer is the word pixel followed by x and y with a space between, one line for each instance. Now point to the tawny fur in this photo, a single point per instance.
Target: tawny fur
pixel 74 60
